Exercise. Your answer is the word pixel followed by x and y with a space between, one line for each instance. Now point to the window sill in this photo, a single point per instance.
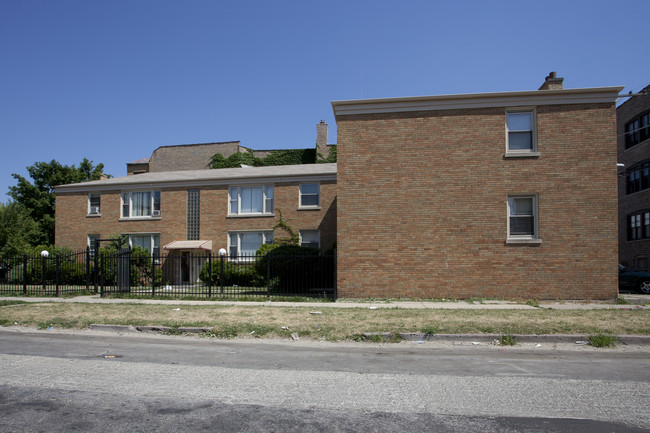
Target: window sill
pixel 309 208
pixel 252 215
pixel 522 155
pixel 141 219
pixel 93 215
pixel 523 241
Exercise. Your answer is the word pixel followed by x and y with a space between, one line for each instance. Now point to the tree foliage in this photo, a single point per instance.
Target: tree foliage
pixel 37 195
pixel 277 157
pixel 18 231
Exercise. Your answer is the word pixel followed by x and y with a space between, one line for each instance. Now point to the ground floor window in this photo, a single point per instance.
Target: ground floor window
pixel 638 226
pixel 641 263
pixel 246 243
pixel 146 241
pixel 522 217
pixel 310 238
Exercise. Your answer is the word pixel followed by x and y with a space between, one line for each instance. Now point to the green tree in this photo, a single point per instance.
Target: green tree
pixel 18 231
pixel 37 196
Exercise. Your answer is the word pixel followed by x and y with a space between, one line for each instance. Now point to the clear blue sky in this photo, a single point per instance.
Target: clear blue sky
pixel 113 80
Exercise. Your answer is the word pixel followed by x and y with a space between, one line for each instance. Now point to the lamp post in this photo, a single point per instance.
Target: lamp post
pixel 222 255
pixel 44 255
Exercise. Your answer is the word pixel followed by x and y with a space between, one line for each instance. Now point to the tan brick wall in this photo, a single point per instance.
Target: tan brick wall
pixel 73 225
pixel 422 202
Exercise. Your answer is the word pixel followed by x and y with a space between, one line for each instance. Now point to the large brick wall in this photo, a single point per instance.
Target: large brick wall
pixel 422 205
pixel 73 225
pixel 638 201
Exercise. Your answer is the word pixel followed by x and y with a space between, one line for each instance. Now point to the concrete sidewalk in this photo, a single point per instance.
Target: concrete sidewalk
pixel 634 302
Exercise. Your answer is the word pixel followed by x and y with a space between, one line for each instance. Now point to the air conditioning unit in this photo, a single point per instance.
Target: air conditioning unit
pixel 155 213
pixel 94 209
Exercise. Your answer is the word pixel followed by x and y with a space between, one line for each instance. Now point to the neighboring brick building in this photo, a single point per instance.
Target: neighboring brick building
pixel 233 208
pixel 479 195
pixel 633 119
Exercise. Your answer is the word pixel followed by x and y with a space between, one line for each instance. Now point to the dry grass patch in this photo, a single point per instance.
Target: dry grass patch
pixel 332 323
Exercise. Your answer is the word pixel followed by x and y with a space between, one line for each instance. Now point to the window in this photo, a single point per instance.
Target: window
pixel 247 243
pixel 638 226
pixel 520 126
pixel 641 263
pixel 310 238
pixel 637 130
pixel 147 241
pixel 638 178
pixel 139 204
pixel 94 204
pixel 193 214
pixel 309 195
pixel 522 217
pixel 251 200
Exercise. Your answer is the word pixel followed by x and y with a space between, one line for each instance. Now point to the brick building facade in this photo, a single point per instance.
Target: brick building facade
pixel 232 208
pixel 483 195
pixel 633 133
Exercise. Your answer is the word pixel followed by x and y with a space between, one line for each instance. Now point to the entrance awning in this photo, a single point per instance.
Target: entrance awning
pixel 189 245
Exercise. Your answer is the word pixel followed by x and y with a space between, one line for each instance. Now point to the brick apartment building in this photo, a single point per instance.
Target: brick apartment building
pixel 633 133
pixel 479 195
pixel 185 212
pixel 508 195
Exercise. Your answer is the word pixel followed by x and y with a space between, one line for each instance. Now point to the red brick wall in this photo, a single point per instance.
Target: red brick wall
pixel 73 225
pixel 422 201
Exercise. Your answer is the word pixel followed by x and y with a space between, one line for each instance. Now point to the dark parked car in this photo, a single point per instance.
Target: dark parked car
pixel 633 280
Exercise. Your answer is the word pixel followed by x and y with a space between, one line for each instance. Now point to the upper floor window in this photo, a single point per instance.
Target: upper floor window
pixel 137 204
pixel 522 217
pixel 251 200
pixel 638 226
pixel 520 126
pixel 309 195
pixel 638 178
pixel 637 130
pixel 94 204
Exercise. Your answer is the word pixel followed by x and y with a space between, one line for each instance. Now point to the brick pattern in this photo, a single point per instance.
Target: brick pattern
pixel 73 224
pixel 422 200
pixel 636 202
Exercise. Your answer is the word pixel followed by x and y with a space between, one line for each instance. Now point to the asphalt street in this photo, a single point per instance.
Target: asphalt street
pixel 85 381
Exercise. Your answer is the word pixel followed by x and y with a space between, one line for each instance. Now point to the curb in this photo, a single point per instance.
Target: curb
pixel 632 340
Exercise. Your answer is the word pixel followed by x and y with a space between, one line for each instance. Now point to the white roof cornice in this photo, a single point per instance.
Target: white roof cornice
pixel 476 100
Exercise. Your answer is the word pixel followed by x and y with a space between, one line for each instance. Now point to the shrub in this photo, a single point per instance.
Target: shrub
pixel 229 274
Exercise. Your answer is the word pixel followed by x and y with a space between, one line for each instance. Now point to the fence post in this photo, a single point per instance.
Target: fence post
pixel 209 274
pixel 336 284
pixel 56 276
pixel 268 274
pixel 24 274
pixel 43 269
pixel 101 263
pixel 221 273
pixel 87 268
pixel 96 260
pixel 153 274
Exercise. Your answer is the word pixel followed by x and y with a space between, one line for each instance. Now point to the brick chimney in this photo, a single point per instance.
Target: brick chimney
pixel 552 82
pixel 321 140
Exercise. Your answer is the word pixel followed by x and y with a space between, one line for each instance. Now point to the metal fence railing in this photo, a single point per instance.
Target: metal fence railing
pixel 138 273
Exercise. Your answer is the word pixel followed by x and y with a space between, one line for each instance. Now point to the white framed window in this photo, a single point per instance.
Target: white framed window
pixel 522 218
pixel 246 243
pixel 94 204
pixel 140 204
pixel 146 241
pixel 310 238
pixel 309 195
pixel 250 200
pixel 521 133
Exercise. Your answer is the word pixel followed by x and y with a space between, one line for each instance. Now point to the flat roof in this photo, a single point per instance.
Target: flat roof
pixel 219 176
pixel 476 100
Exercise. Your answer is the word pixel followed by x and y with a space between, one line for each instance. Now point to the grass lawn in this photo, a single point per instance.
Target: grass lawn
pixel 331 324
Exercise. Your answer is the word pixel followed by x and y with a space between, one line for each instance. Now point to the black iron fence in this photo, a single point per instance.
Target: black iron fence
pixel 178 274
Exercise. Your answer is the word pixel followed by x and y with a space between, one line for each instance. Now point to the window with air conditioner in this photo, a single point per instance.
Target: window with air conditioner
pixel 94 204
pixel 141 204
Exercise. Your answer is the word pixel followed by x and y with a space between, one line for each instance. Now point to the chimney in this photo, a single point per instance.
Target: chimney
pixel 321 140
pixel 552 82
